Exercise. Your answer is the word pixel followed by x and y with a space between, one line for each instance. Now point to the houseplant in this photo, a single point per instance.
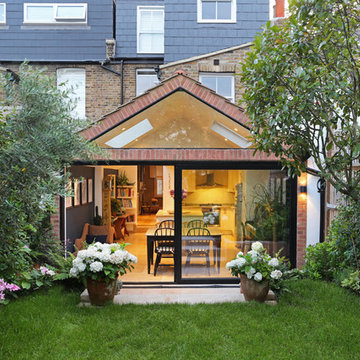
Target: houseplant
pixel 100 264
pixel 255 269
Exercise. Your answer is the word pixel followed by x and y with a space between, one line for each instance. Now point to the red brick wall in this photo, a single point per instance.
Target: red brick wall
pixel 55 219
pixel 301 222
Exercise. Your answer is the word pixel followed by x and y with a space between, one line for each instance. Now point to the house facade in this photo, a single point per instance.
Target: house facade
pixel 158 78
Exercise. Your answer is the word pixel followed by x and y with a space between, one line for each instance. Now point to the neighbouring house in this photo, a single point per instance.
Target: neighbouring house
pixel 158 78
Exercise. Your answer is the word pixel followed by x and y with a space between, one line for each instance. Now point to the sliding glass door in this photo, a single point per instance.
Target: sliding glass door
pixel 224 211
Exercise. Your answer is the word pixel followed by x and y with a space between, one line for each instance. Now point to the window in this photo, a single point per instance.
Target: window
pixel 150 29
pixel 222 11
pixel 145 79
pixel 2 13
pixel 45 13
pixel 223 84
pixel 75 79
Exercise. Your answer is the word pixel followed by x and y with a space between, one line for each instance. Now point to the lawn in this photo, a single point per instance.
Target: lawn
pixel 318 321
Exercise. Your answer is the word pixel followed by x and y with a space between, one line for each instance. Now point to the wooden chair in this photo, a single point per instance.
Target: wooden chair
pixel 198 247
pixel 94 230
pixel 164 246
pixel 196 224
pixel 167 224
pixel 120 225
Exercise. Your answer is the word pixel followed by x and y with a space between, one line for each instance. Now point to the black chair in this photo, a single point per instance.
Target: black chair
pixel 167 224
pixel 196 224
pixel 198 247
pixel 164 246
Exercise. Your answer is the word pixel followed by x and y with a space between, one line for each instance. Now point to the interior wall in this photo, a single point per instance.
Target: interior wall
pixel 168 184
pixel 77 216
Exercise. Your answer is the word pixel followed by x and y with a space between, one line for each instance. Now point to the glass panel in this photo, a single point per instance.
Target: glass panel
pixel 40 13
pixel 224 86
pixel 145 82
pixel 225 211
pixel 209 81
pixel 145 43
pixel 70 12
pixel 224 10
pixel 208 10
pixel 2 13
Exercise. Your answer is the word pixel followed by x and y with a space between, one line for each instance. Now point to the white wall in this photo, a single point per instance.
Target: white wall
pixel 168 184
pixel 313 211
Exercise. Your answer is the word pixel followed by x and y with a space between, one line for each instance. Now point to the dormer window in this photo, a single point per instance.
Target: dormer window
pixel 216 11
pixel 46 13
pixel 2 13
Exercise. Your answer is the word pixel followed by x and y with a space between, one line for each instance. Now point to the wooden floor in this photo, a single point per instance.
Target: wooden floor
pixel 166 273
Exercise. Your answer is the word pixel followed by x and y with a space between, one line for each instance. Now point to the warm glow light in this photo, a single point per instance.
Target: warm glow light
pixel 303 196
pixel 123 129
pixel 236 129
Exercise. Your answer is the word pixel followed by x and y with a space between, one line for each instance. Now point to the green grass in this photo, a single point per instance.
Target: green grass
pixel 318 321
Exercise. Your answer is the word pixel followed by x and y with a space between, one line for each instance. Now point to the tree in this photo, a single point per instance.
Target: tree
pixel 38 138
pixel 302 81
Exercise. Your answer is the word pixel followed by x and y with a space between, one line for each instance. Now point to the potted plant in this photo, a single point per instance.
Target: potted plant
pixel 255 269
pixel 100 265
pixel 116 207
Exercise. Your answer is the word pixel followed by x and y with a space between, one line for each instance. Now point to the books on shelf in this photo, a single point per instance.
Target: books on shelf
pixel 124 192
pixel 126 203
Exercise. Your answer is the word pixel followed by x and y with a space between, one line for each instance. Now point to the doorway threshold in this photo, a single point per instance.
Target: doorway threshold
pixel 178 295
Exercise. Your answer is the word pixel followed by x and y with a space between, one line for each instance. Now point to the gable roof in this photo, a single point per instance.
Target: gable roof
pixel 178 82
pixel 203 56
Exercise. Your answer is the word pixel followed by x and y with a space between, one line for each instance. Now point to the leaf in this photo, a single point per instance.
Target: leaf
pixel 25 285
pixel 39 283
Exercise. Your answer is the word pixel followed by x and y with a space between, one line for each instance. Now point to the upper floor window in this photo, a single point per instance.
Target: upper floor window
pixel 2 13
pixel 150 29
pixel 145 79
pixel 47 13
pixel 73 79
pixel 221 11
pixel 223 84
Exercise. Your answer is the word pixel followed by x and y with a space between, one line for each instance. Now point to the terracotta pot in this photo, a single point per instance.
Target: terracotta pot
pixel 100 291
pixel 254 290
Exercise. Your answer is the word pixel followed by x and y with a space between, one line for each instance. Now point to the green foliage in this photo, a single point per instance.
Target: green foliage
pixel 271 215
pixel 321 261
pixel 302 93
pixel 115 206
pixel 37 140
pixel 344 231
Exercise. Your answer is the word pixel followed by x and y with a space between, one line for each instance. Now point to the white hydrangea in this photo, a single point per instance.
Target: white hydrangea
pixel 274 262
pixel 132 258
pixel 258 276
pixel 276 274
pixel 240 253
pixel 96 266
pixel 74 272
pixel 257 246
pixel 117 257
pixel 51 272
pixel 81 267
pixel 250 273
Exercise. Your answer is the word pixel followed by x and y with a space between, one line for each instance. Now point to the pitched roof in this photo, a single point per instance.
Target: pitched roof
pixel 178 82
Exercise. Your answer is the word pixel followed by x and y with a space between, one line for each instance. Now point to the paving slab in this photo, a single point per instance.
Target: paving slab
pixel 177 295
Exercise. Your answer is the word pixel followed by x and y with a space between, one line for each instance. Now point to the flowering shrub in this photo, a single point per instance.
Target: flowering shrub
pixel 4 286
pixel 103 261
pixel 256 264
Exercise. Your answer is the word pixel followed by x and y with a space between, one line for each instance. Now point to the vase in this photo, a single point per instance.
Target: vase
pixel 254 290
pixel 100 291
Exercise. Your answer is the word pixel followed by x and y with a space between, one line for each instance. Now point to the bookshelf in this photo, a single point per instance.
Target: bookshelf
pixel 127 198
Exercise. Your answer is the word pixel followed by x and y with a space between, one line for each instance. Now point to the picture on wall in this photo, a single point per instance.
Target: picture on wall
pixel 77 193
pixel 84 192
pixel 69 199
pixel 90 190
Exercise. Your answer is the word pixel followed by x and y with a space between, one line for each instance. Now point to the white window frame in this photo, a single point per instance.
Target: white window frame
pixel 225 21
pixel 57 20
pixel 138 73
pixel 3 22
pixel 142 8
pixel 218 75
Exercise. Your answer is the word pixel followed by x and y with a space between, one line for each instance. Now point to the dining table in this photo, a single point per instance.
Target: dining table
pixel 214 237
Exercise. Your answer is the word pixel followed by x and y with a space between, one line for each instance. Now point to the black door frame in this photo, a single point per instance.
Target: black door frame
pixel 179 166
